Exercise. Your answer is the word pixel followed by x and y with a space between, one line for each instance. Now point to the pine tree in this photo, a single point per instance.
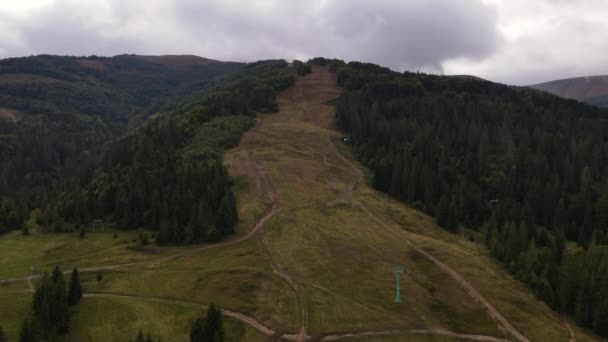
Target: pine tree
pixel 600 319
pixel 215 323
pixel 75 291
pixel 442 211
pixel 452 220
pixel 227 216
pixel 50 306
pixel 198 333
pixel 2 337
pixel 57 274
pixel 30 331
pixel 60 311
pixel 140 337
pixel 583 308
pixel 210 328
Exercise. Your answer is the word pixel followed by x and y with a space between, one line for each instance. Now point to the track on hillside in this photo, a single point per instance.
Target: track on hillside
pixel 503 322
pixel 297 337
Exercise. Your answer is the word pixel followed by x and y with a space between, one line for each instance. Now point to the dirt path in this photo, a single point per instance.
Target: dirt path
pixel 296 94
pixel 267 215
pixel 268 331
pixel 433 332
pixel 570 332
pixel 503 323
pixel 84 256
pixel 233 314
pixel 265 185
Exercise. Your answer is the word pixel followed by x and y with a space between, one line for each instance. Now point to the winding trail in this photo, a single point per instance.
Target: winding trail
pixel 233 314
pixel 434 332
pixel 268 331
pixel 268 214
pixel 572 337
pixel 503 322
pixel 264 184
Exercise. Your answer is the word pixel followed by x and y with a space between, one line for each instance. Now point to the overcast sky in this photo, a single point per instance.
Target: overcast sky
pixel 511 41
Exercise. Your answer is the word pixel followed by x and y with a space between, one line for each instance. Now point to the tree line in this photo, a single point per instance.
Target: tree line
pixel 49 317
pixel 526 169
pixel 301 68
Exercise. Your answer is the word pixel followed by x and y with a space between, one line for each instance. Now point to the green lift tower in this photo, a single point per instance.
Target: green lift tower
pixel 397 270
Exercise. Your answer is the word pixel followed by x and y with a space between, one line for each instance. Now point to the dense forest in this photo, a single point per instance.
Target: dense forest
pixel 56 112
pixel 166 174
pixel 49 317
pixel 169 175
pixel 525 170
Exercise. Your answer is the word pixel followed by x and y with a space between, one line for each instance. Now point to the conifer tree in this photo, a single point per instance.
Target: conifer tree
pixel 57 274
pixel 227 216
pixel 30 331
pixel 209 328
pixel 198 332
pixel 140 337
pixel 452 220
pixel 442 211
pixel 75 291
pixel 215 323
pixel 2 337
pixel 50 306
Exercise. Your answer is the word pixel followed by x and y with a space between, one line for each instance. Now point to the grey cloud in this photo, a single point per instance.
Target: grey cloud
pixel 400 34
pixel 68 30
pixel 413 34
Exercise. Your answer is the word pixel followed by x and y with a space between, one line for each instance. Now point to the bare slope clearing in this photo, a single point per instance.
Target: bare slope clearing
pixel 7 114
pixel 177 61
pixel 340 251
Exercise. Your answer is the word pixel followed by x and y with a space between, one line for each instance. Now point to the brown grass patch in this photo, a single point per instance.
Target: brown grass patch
pixel 92 64
pixel 7 114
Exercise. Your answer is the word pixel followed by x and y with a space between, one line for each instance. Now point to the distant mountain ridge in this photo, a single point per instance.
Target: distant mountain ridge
pixel 592 89
pixel 57 112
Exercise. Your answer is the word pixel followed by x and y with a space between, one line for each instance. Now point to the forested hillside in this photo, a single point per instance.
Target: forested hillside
pixel 169 175
pixel 526 171
pixel 60 153
pixel 58 111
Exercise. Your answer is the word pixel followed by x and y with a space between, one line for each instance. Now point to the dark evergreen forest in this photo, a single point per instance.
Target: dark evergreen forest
pixel 67 109
pixel 523 171
pixel 167 175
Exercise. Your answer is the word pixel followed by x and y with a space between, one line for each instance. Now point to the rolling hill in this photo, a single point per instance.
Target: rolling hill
pixel 592 89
